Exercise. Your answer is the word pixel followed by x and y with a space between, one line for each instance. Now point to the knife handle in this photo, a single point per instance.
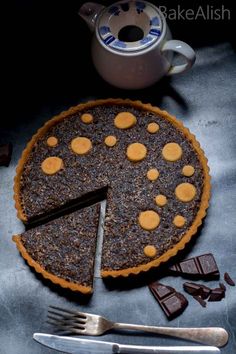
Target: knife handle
pixel 215 336
pixel 135 349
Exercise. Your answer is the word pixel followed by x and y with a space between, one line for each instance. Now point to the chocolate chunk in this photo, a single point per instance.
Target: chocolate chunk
pixel 205 291
pixel 208 264
pixel 217 294
pixel 200 300
pixel 228 279
pixel 5 154
pixel 197 290
pixel 222 286
pixel 203 266
pixel 172 302
pixel 192 288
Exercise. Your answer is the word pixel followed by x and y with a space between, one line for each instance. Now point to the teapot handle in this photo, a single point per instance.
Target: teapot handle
pixel 183 49
pixel 89 12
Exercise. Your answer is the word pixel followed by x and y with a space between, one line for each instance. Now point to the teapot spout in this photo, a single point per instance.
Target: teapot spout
pixel 89 12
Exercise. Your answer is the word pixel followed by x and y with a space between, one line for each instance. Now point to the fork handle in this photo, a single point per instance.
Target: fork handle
pixel 215 336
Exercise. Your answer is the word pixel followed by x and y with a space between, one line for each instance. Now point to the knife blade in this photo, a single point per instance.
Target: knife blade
pixel 87 346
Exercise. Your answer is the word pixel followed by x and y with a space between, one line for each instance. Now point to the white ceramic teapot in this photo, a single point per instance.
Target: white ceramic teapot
pixel 132 46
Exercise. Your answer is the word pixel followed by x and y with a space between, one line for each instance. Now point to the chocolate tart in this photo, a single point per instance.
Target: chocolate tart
pixel 63 250
pixel 153 168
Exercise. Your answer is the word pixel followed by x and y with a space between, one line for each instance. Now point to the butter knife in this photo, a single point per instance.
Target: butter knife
pixel 86 346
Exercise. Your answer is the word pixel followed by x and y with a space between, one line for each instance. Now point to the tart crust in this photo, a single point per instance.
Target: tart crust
pixel 56 280
pixel 128 271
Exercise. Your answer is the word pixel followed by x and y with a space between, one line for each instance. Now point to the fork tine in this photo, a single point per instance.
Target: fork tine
pixel 75 313
pixel 58 316
pixel 66 317
pixel 62 315
pixel 58 321
pixel 65 324
pixel 56 324
pixel 62 309
pixel 67 328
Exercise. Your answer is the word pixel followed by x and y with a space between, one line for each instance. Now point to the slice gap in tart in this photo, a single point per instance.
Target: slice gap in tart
pixel 63 250
pixel 100 235
pixel 87 200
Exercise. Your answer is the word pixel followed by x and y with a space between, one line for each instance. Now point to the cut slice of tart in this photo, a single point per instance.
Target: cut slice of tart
pixel 63 250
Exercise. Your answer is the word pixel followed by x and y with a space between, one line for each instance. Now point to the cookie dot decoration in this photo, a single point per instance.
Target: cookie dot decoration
pixel 149 220
pixel 188 170
pixel 52 141
pixel 172 152
pixel 185 192
pixel 153 128
pixel 179 221
pixel 161 200
pixel 52 165
pixel 110 140
pixel 125 120
pixel 152 174
pixel 81 145
pixel 150 251
pixel 87 118
pixel 136 152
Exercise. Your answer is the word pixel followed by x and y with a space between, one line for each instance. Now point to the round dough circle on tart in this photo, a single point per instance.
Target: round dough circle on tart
pixel 110 140
pixel 172 152
pixel 152 174
pixel 185 192
pixel 153 128
pixel 52 141
pixel 125 120
pixel 179 221
pixel 130 195
pixel 87 118
pixel 136 152
pixel 52 165
pixel 188 170
pixel 150 251
pixel 81 145
pixel 161 200
pixel 149 220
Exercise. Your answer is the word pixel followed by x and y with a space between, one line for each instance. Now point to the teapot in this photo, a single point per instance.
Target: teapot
pixel 132 46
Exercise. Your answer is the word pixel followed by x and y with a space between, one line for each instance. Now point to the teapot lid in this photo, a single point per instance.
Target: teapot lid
pixel 130 26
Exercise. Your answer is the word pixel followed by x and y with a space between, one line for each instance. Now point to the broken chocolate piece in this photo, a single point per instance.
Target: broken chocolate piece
pixel 205 291
pixel 172 302
pixel 200 300
pixel 192 288
pixel 222 286
pixel 203 266
pixel 228 279
pixel 217 294
pixel 197 290
pixel 5 154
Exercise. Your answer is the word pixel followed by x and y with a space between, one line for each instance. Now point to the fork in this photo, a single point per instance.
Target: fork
pixel 76 322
